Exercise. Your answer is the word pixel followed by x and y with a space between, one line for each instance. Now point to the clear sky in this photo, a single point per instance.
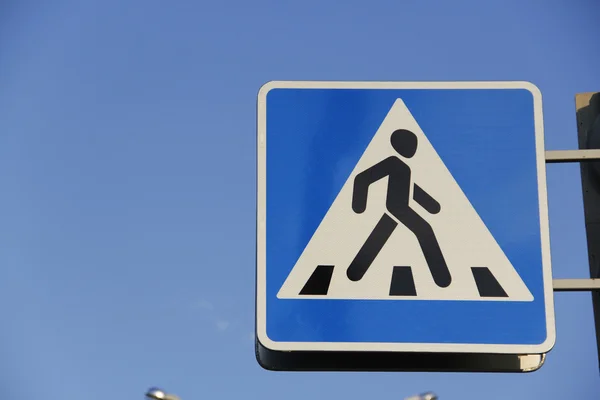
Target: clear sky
pixel 127 167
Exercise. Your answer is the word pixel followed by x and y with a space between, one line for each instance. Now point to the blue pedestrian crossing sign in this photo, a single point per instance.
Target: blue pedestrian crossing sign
pixel 402 217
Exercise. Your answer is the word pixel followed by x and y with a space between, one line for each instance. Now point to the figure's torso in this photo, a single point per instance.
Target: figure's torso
pixel 399 183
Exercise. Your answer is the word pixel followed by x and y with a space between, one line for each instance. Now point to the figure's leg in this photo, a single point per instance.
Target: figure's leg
pixel 429 245
pixel 372 246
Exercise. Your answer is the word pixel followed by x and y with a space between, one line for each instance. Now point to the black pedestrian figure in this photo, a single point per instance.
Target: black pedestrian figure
pixel 397 204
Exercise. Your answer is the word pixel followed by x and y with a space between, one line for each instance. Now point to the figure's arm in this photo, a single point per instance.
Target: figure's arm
pixel 425 200
pixel 365 179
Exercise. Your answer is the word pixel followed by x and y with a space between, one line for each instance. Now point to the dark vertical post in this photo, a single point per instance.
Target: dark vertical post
pixel 588 132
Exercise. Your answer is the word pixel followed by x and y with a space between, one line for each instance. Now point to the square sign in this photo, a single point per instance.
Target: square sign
pixel 403 217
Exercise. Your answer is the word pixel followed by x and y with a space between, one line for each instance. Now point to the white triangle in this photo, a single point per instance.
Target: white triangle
pixel 463 238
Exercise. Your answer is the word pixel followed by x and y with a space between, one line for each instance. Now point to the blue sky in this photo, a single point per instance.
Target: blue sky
pixel 127 162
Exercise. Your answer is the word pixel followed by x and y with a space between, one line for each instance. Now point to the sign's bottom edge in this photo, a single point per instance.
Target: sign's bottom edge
pixel 382 361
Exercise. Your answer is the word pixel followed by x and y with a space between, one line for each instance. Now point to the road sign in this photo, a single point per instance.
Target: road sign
pixel 402 217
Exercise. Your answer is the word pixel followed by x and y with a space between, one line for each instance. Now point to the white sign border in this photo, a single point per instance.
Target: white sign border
pixel 261 301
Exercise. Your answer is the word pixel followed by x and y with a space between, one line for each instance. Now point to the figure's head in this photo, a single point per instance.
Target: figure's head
pixel 404 142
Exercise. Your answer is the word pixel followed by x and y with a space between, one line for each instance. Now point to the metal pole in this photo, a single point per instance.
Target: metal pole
pixel 588 111
pixel 588 156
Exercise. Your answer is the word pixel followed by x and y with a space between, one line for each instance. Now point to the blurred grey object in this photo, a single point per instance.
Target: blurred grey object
pixel 424 396
pixel 159 394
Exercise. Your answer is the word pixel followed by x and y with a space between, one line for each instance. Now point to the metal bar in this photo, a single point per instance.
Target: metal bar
pixel 563 156
pixel 575 285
